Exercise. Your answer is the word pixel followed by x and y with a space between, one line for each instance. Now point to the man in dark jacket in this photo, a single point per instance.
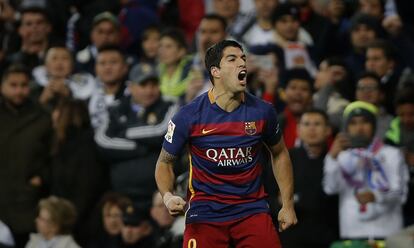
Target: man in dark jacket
pixel 131 140
pixel 317 212
pixel 25 132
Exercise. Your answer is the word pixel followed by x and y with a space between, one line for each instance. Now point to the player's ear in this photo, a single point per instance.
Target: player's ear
pixel 215 71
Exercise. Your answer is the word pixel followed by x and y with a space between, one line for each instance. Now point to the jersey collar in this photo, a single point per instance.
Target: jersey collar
pixel 213 100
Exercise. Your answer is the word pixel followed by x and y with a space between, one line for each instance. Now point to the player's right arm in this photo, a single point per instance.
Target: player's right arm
pixel 174 140
pixel 165 178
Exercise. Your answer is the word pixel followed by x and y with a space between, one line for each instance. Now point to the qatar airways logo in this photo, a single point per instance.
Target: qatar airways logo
pixel 230 156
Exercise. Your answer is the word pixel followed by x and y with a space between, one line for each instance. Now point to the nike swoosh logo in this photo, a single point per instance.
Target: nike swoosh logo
pixel 207 131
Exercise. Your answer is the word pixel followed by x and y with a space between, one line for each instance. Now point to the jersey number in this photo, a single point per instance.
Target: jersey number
pixel 192 243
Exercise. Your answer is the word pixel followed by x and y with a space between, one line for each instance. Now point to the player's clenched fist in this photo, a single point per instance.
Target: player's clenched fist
pixel 174 204
pixel 286 218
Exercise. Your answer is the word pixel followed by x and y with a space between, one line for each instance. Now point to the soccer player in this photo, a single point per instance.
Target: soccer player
pixel 227 131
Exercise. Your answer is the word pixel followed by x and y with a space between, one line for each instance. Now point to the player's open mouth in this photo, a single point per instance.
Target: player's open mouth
pixel 242 75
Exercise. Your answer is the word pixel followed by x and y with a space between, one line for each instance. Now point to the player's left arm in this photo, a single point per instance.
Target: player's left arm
pixel 282 170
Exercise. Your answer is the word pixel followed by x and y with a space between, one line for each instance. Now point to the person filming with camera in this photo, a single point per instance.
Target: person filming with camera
pixel 370 177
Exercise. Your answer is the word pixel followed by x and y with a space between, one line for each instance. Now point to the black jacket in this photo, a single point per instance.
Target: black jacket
pixel 317 212
pixel 131 143
pixel 77 175
pixel 25 135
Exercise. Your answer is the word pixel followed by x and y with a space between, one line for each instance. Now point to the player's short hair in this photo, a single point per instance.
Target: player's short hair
pixel 214 54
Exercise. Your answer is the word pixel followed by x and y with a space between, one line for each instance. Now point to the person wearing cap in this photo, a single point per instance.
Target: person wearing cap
pixel 131 140
pixel 369 176
pixel 137 230
pixel 105 31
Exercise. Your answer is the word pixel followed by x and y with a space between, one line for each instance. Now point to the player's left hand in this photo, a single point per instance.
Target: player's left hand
pixel 286 218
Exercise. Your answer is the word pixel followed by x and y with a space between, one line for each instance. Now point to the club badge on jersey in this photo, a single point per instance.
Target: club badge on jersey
pixel 250 127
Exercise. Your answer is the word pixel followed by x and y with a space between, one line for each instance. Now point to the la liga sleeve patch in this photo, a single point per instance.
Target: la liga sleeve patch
pixel 170 132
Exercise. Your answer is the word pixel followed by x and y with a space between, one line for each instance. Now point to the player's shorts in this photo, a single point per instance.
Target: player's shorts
pixel 256 230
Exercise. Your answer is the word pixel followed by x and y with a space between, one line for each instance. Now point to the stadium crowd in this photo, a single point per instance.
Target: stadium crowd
pixel 88 89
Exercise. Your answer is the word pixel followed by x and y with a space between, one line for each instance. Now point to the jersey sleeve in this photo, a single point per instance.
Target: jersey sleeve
pixel 272 133
pixel 177 133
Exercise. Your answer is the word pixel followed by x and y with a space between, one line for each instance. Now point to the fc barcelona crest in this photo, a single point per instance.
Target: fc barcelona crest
pixel 250 127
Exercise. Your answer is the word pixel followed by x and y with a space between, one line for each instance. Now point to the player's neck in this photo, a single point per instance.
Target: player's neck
pixel 226 100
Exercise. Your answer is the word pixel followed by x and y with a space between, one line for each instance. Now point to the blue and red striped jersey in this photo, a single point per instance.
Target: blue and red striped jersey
pixel 225 154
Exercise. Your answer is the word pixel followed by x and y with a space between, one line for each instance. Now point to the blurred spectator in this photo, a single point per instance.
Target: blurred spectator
pixel 175 64
pixel 87 11
pixel 263 76
pixel 52 76
pixel 150 42
pixel 369 89
pixel 401 130
pixel 131 141
pixel 332 84
pixel 337 13
pixel 111 70
pixel 74 153
pixel 318 27
pixel 191 12
pixel 294 40
pixel 212 29
pixel 298 97
pixel 259 31
pixel 25 135
pixel 230 10
pixel 318 212
pixel 54 224
pixel 137 230
pixel 6 238
pixel 381 59
pixel 364 29
pixel 374 8
pixel 105 31
pixel 34 29
pixel 54 79
pixel 9 38
pixel 168 231
pixel 135 16
pixel 369 176
pixel 105 232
